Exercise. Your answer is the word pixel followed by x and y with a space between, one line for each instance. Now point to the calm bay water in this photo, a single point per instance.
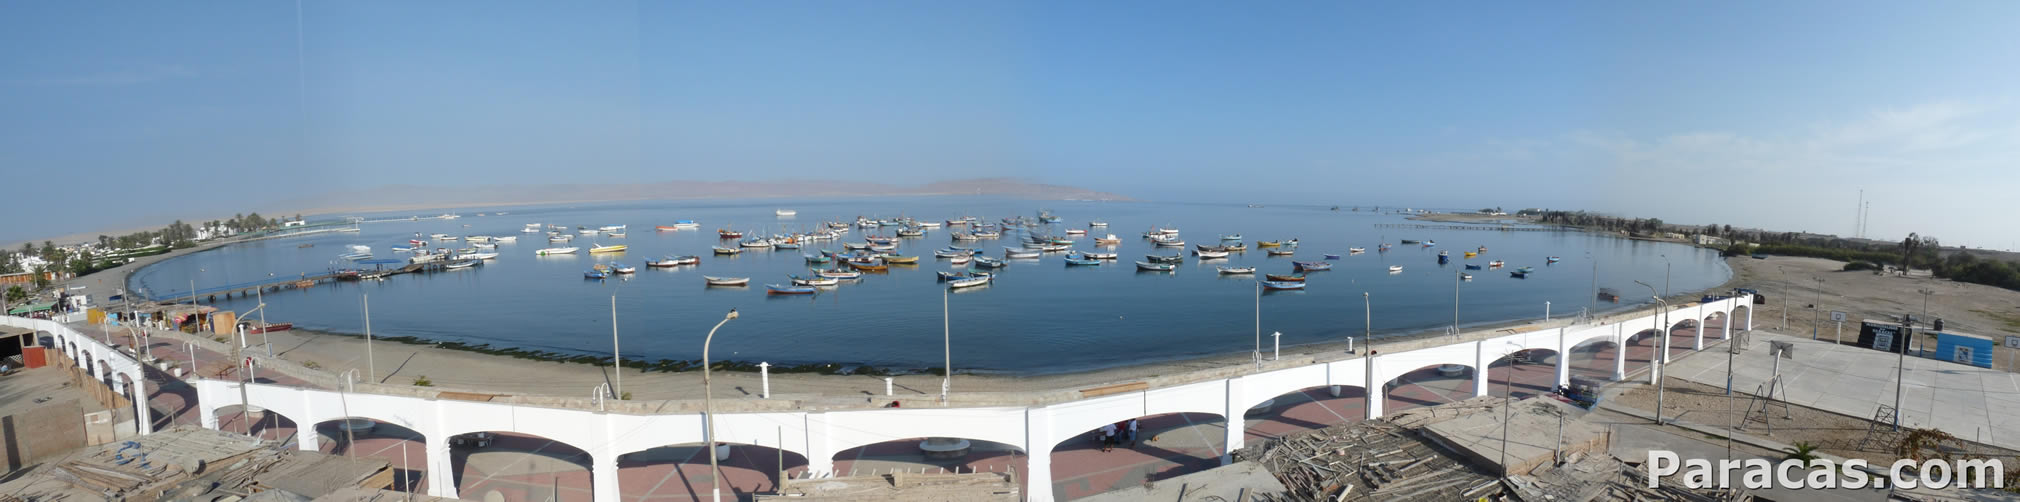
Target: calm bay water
pixel 1038 317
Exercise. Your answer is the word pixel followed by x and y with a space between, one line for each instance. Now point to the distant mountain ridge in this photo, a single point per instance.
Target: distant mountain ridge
pixel 405 197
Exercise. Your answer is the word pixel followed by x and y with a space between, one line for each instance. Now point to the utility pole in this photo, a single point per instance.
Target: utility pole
pixel 1258 354
pixel 1785 298
pixel 1817 309
pixel 1662 350
pixel 946 349
pixel 1455 303
pixel 616 357
pixel 371 370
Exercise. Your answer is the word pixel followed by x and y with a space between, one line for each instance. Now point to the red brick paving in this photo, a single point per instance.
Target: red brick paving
pixel 681 472
pixel 1168 445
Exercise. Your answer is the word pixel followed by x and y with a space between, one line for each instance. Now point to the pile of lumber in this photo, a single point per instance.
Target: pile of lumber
pixel 1374 460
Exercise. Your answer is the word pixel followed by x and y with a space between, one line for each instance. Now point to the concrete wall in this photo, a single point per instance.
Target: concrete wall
pixel 820 435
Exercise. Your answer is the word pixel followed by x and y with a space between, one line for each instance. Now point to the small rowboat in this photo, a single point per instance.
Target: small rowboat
pixel 817 258
pixel 1020 253
pixel 840 274
pixel 1332 257
pixel 855 245
pixel 1356 250
pixel 1494 264
pixel 1472 267
pixel 1097 223
pixel 1098 256
pixel 1278 286
pixel 1110 240
pixel 967 282
pixel 987 262
pixel 1073 262
pixel 615 248
pixel 1076 231
pixel 726 281
pixel 1284 278
pixel 1231 237
pixel 1236 270
pixel 1268 244
pixel 944 253
pixel 898 259
pixel 1470 254
pixel 594 274
pixel 724 250
pixel 814 281
pixel 673 261
pixel 664 228
pixel 774 289
pixel 1156 267
pixel 1209 255
pixel 622 268
pixel 1173 259
pixel 786 245
pixel 462 264
pixel 1311 265
pixel 729 234
pixel 1526 270
pixel 1519 274
pixel 1237 247
pixel 1552 259
pixel 1395 269
pixel 1465 276
pixel 555 251
pixel 1170 243
pixel 1281 252
pixel 960 260
pixel 869 266
pixel 949 276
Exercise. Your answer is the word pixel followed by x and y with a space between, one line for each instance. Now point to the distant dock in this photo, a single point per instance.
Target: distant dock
pixel 1496 228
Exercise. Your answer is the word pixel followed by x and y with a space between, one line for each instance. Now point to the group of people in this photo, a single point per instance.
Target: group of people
pixel 1117 433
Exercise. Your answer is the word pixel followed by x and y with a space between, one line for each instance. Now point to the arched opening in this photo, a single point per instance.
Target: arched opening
pixel 259 422
pixel 518 466
pixel 1167 445
pixel 1641 348
pixel 1714 326
pixel 104 373
pixel 680 472
pixel 1593 359
pixel 1742 317
pixel 931 454
pixel 405 450
pixel 1306 409
pixel 1525 373
pixel 1428 386
pixel 170 400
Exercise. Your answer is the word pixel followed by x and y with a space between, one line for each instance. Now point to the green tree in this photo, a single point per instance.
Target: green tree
pixel 1908 247
pixel 16 294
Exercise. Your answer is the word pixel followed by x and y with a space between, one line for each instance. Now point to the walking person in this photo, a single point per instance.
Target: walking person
pixel 1132 433
pixel 1107 437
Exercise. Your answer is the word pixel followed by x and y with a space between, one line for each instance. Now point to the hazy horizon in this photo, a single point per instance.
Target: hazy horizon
pixel 1754 115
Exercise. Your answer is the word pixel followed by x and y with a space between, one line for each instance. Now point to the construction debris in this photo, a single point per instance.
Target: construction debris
pixel 1375 460
pixel 1601 478
pixel 901 487
pixel 187 463
pixel 1238 482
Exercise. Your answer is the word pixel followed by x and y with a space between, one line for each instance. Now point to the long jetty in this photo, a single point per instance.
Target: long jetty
pixel 302 282
pixel 1496 228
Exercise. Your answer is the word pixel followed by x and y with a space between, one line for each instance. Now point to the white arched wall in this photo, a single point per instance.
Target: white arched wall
pixel 100 360
pixel 820 435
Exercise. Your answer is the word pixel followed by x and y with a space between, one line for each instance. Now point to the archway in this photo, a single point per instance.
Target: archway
pixel 680 472
pixel 1742 317
pixel 1525 373
pixel 1167 445
pixel 261 423
pixel 1641 347
pixel 1305 409
pixel 405 450
pixel 1715 326
pixel 519 466
pixel 1683 336
pixel 1593 359
pixel 1428 386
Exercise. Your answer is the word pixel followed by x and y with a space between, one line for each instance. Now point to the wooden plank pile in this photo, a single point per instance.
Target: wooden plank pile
pixel 1374 460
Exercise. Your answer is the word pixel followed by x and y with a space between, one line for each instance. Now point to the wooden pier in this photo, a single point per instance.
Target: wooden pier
pixel 302 282
pixel 1496 228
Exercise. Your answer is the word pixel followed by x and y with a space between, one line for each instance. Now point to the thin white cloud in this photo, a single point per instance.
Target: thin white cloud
pixel 130 76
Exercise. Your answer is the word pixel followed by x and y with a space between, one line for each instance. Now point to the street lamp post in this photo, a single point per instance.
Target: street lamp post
pixel 708 405
pixel 946 349
pixel 1785 297
pixel 1456 275
pixel 1507 387
pixel 1662 349
pixel 1817 309
pixel 1665 274
pixel 1258 354
pixel 616 356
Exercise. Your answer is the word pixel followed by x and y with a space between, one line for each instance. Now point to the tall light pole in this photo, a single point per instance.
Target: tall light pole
pixel 708 406
pixel 1258 354
pixel 1817 309
pixel 1592 302
pixel 1662 350
pixel 1455 302
pixel 1368 321
pixel 1785 297
pixel 616 357
pixel 1508 387
pixel 946 348
pixel 371 370
pixel 1665 274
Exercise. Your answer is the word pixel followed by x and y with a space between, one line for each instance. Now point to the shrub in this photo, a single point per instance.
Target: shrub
pixel 1860 265
pixel 423 381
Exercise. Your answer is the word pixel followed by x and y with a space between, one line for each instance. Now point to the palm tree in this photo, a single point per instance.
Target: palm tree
pixel 1802 450
pixel 1908 247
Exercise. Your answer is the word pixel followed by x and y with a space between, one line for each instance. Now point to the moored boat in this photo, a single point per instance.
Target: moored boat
pixel 1494 264
pixel 595 274
pixel 726 250
pixel 729 234
pixel 1156 267
pixel 1236 270
pixel 1282 285
pixel 868 266
pixel 1356 250
pixel 898 259
pixel 1021 253
pixel 1395 268
pixel 987 262
pixel 1472 267
pixel 555 251
pixel 1519 274
pixel 1281 252
pixel 1284 278
pixel 1110 240
pixel 614 248
pixel 1172 259
pixel 1332 256
pixel 1268 244
pixel 1210 255
pixel 774 289
pixel 673 261
pixel 1099 256
pixel 726 281
pixel 622 268
pixel 840 274
pixel 1311 265
pixel 967 282
pixel 462 264
pixel 814 281
pixel 1552 259
pixel 1073 262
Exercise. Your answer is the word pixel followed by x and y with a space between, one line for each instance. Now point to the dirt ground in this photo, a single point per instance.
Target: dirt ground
pixel 1832 433
pixel 1963 307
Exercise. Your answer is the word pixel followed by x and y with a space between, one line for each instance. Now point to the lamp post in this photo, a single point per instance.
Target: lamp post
pixel 1456 275
pixel 616 357
pixel 1785 297
pixel 1665 274
pixel 1508 387
pixel 1817 309
pixel 1592 302
pixel 708 406
pixel 1662 350
pixel 371 369
pixel 946 348
pixel 1258 354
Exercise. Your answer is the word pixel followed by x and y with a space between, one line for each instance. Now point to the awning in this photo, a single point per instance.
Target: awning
pixel 32 308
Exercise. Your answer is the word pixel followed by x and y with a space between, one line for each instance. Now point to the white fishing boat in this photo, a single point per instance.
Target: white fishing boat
pixel 531 228
pixel 461 265
pixel 1356 250
pixel 477 239
pixel 1395 269
pixel 785 212
pixel 967 283
pixel 1236 270
pixel 612 228
pixel 555 251
pixel 477 256
pixel 1211 254
pixel 588 231
pixel 560 238
pixel 960 260
pixel 425 258
pixel 508 238
pixel 726 281
pixel 1099 256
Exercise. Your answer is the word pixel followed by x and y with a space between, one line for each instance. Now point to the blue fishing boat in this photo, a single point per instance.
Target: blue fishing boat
pixel 1472 267
pixel 1519 274
pixel 1282 285
pixel 775 289
pixel 987 262
pixel 1081 262
pixel 1332 257
pixel 818 259
pixel 1307 266
pixel 595 274
pixel 1156 267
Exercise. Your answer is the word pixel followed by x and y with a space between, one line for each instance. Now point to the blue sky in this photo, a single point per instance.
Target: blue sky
pixel 1753 114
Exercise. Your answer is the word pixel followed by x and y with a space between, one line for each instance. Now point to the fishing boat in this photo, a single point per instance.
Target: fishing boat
pixel 1356 250
pixel 1098 256
pixel 927 224
pixel 987 262
pixel 595 274
pixel 950 253
pixel 1231 237
pixel 1311 265
pixel 461 265
pixel 1281 252
pixel 1552 259
pixel 785 245
pixel 960 260
pixel 1465 276
pixel 505 239
pixel 774 289
pixel 817 259
pixel 555 251
pixel 1494 264
pixel 967 282
pixel 614 248
pixel 1169 232
pixel 531 228
pixel 425 258
pixel 949 276
pixel 754 243
pixel 840 274
pixel 1384 247
pixel 1110 240
pixel 1169 242
pixel 1081 262
pixel 868 266
pixel 686 224
pixel 1472 267
pixel 898 259
pixel 1156 267
pixel 729 234
pixel 724 250
pixel 1268 244
pixel 1097 223
pixel 856 245
pixel 1236 247
pixel 1282 285
pixel 1020 253
pixel 1173 259
pixel 1482 249
pixel 1525 270
pixel 1395 269
pixel 1284 278
pixel 1235 270
pixel 477 256
pixel 622 268
pixel 1519 274
pixel 1410 241
pixel 254 327
pixel 1429 243
pixel 1076 231
pixel 557 239
pixel 987 235
pixel 477 239
pixel 673 261
pixel 963 236
pixel 726 281
pixel 1211 255
pixel 911 232
pixel 1332 257
pixel 785 212
pixel 1471 255
pixel 814 281
pixel 398 249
